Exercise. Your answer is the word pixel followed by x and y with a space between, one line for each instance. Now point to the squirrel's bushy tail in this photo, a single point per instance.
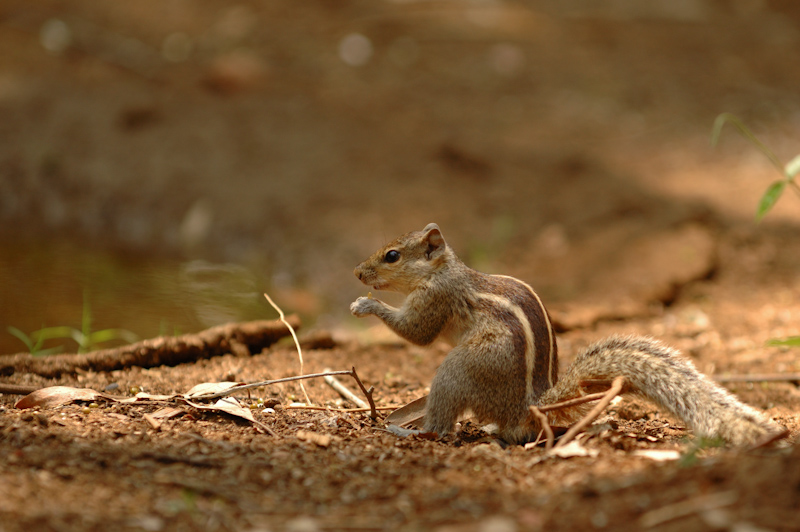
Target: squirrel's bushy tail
pixel 664 376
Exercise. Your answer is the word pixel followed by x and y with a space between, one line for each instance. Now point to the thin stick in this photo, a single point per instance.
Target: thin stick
pixel 758 377
pixel 344 391
pixel 372 412
pixel 338 410
pixel 296 343
pixel 535 442
pixel 265 428
pixel 243 387
pixel 537 413
pixel 573 402
pixel 616 387
pixel 17 389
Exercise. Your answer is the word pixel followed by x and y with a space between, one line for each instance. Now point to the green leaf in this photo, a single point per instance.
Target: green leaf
pixel 106 335
pixel 50 333
pixel 792 341
pixel 34 349
pixel 24 338
pixel 724 118
pixel 792 168
pixel 769 198
pixel 80 339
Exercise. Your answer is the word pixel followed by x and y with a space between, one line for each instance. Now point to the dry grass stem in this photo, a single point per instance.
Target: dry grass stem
pixel 572 402
pixel 537 413
pixel 244 387
pixel 344 391
pixel 373 413
pixel 338 410
pixel 296 343
pixel 616 388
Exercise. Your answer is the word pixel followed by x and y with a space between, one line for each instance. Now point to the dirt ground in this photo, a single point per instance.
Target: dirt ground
pixel 99 466
pixel 281 143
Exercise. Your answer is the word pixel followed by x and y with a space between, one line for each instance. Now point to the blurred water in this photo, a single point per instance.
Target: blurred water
pixel 46 283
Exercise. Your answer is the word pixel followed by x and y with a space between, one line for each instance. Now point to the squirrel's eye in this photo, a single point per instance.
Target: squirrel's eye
pixel 392 256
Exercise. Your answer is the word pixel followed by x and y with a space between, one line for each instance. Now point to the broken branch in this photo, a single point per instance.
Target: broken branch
pixel 16 389
pixel 160 351
pixel 344 391
pixel 616 388
pixel 548 431
pixel 337 410
pixel 572 402
pixel 368 393
pixel 244 387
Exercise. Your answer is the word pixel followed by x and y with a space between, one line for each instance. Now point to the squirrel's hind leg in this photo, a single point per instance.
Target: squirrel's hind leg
pixel 474 377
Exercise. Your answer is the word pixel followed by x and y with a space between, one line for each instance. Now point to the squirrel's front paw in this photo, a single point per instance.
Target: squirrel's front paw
pixel 363 306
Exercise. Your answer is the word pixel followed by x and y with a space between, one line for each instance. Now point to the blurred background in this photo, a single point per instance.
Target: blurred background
pixel 164 162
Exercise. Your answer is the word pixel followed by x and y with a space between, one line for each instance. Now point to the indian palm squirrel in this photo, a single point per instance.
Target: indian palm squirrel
pixel 505 356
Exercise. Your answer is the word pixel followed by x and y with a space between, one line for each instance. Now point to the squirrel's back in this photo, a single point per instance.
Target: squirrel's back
pixel 518 307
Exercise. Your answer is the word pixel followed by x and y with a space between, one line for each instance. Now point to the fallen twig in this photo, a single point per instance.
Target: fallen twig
pixel 344 391
pixel 16 389
pixel 548 431
pixel 243 387
pixel 161 351
pixel 573 402
pixel 368 393
pixel 337 410
pixel 616 388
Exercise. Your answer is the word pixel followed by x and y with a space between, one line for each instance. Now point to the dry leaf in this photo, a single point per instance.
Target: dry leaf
pixel 573 448
pixel 401 432
pixel 659 455
pixel 229 405
pixel 412 413
pixel 168 412
pixel 56 396
pixel 156 424
pixel 209 388
pixel 62 395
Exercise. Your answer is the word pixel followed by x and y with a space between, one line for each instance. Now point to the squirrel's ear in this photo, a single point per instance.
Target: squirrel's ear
pixel 433 237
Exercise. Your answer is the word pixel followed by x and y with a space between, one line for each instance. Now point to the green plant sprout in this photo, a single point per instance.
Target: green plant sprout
pixel 792 341
pixel 697 448
pixel 85 338
pixel 34 346
pixel 788 171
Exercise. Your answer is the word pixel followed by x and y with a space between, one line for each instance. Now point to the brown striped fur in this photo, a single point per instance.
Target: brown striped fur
pixel 505 356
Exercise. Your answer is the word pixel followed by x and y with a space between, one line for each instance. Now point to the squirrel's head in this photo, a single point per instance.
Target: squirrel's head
pixel 406 262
